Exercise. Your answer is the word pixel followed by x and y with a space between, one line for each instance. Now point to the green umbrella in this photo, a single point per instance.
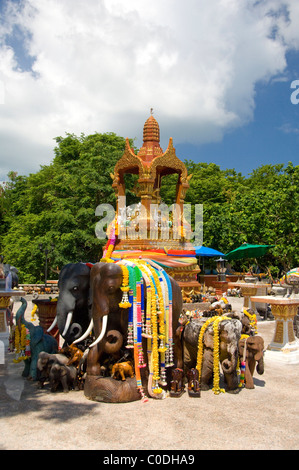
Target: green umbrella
pixel 248 251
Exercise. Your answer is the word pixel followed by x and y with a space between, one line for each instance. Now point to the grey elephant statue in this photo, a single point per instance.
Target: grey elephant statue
pixel 5 270
pixel 110 325
pixel 73 312
pixel 39 341
pixel 252 350
pixel 229 336
pixel 61 374
pixel 45 362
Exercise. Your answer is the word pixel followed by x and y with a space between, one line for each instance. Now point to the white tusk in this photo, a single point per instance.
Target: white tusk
pixel 53 324
pixel 104 326
pixel 67 323
pixel 90 327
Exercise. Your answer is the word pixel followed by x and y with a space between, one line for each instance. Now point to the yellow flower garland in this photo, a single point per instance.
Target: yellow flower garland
pixel 216 367
pixel 216 320
pixel 125 287
pixel 156 300
pixel 252 320
pixel 22 344
pixel 33 313
pixel 161 311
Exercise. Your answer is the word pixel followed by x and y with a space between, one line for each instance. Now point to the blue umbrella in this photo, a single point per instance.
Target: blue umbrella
pixel 205 251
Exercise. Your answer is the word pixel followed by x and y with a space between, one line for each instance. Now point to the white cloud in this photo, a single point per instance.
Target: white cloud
pixel 101 65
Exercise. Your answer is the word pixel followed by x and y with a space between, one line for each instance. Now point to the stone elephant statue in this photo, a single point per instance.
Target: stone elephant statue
pixel 7 269
pixel 229 336
pixel 73 312
pixel 254 355
pixel 61 374
pixel 109 320
pixel 44 364
pixel 39 341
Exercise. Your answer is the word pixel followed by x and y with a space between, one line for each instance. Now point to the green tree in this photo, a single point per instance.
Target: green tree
pixel 57 205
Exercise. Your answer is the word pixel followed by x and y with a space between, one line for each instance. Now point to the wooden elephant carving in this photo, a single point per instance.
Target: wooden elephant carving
pixel 122 369
pixel 177 383
pixel 254 354
pixel 193 383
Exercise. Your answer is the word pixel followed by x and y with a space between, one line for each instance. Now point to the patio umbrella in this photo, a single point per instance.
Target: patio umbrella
pixel 206 251
pixel 248 251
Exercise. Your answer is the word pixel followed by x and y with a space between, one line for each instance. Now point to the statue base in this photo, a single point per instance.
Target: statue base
pixel 288 354
pixel 109 390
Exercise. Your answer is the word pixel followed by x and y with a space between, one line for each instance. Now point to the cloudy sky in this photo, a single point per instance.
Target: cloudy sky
pixel 218 74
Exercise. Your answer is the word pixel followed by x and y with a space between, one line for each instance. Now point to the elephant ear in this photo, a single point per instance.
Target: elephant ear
pixel 37 335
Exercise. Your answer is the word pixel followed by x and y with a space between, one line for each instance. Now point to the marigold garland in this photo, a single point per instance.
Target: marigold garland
pixel 22 344
pixel 125 287
pixel 154 328
pixel 139 275
pixel 216 369
pixel 252 320
pixel 33 313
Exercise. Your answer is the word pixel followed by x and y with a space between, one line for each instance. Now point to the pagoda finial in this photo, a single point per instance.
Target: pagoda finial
pixel 152 111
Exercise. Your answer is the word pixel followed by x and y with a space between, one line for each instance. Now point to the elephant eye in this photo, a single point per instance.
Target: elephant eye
pixel 75 289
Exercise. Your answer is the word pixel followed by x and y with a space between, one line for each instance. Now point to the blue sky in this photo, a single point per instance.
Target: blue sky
pixel 271 137
pixel 218 75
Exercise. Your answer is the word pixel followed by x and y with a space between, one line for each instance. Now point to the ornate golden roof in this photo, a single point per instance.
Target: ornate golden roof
pixel 151 163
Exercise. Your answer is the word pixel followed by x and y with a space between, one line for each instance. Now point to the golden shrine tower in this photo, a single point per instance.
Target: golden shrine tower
pixel 147 230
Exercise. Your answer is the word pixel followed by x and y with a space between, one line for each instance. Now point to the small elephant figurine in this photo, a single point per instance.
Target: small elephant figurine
pixel 193 383
pixel 74 354
pixel 177 387
pixel 254 352
pixel 64 375
pixel 122 369
pixel 44 363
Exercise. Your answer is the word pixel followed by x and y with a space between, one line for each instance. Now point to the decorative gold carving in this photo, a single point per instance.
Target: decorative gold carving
pixel 291 332
pixel 4 301
pixel 284 311
pixel 169 160
pixel 127 162
pixel 2 322
pixel 278 337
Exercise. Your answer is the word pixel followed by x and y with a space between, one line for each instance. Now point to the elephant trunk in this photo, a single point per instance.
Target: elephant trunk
pixel 114 341
pixel 20 314
pixel 260 366
pixel 229 364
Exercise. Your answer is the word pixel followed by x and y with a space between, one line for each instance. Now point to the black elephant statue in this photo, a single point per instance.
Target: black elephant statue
pixel 73 312
pixel 39 341
pixel 110 325
pixel 229 336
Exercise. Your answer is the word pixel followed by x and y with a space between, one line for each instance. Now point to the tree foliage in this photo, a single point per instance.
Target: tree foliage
pixel 57 206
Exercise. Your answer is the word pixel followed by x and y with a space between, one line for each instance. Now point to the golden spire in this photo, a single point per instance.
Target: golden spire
pixel 151 139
